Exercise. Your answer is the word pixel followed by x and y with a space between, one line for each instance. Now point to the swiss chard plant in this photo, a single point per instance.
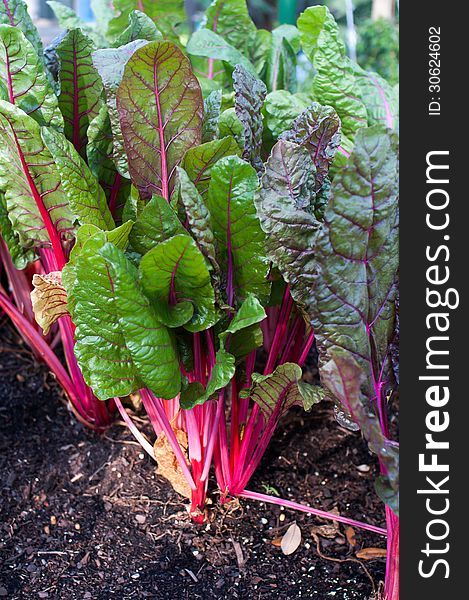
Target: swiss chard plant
pixel 197 217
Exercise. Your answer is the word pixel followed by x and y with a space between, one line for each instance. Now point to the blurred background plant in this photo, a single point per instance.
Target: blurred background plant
pixel 370 28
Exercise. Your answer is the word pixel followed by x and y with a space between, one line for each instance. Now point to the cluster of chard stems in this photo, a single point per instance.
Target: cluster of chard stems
pixel 17 306
pixel 234 445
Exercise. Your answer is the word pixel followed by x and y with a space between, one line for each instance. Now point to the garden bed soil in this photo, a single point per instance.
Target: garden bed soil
pixel 84 516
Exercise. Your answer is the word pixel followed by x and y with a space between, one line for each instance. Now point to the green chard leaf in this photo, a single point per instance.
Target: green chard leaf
pixel 99 153
pixel 318 130
pixel 280 66
pixel 231 20
pixel 281 390
pixel 156 223
pixel 140 27
pixel 243 334
pixel 15 13
pixel 110 64
pixel 334 83
pixel 239 241
pixel 20 257
pixel 198 219
pixel 281 108
pixel 199 161
pixel 343 376
pixel 121 346
pixel 161 113
pixel 80 87
pixel 250 94
pixel 212 110
pixel 283 205
pixel 351 299
pixel 29 180
pixel 176 278
pixel 209 44
pixel 87 200
pixel 26 81
pixel 222 373
pixel 230 126
pixel 168 15
pixel 380 98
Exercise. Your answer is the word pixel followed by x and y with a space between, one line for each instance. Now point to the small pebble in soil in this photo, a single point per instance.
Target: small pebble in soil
pixel 140 519
pixel 282 517
pixel 264 521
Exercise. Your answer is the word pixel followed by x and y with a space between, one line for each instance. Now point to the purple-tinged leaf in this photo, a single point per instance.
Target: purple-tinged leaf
pixel 15 13
pixel 36 201
pixel 380 98
pixel 110 64
pixel 161 112
pixel 344 378
pixel 318 130
pixel 284 205
pixel 282 389
pixel 354 283
pixel 23 74
pixel 80 87
pixel 250 94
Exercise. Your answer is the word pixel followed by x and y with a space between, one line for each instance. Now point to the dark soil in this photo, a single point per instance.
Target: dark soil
pixel 85 517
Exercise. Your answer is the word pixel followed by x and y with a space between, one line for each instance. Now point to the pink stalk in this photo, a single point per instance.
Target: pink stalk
pixel 213 435
pixel 156 411
pixel 134 429
pixel 391 585
pixel 308 509
pixel 19 283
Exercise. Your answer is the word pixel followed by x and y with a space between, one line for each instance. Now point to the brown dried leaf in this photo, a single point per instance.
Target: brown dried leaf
pixel 371 553
pixel 291 540
pixel 49 299
pixel 168 466
pixel 350 535
pixel 277 542
pixel 329 530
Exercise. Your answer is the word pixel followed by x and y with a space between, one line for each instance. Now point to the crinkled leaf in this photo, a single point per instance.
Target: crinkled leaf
pixel 15 13
pixel 99 153
pixel 140 27
pixel 281 108
pixel 380 98
pixel 20 257
pixel 25 78
pixel 334 83
pixel 212 109
pixel 52 62
pixel 28 178
pixel 119 236
pixel 282 202
pixel 80 87
pixel 110 64
pixel 168 15
pixel 231 20
pixel 48 299
pixel 198 219
pixel 351 299
pixel 230 126
pixel 250 94
pixel 222 373
pixel 176 278
pixel 343 376
pixel 161 111
pixel 281 390
pixel 120 344
pixel 86 197
pixel 209 44
pixel 156 223
pixel 199 161
pixel 318 130
pixel 239 241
